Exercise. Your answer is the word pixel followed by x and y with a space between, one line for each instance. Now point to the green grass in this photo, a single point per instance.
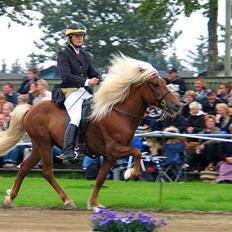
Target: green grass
pixel 36 192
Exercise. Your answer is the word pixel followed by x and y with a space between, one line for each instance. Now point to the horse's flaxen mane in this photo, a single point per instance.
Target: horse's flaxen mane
pixel 123 72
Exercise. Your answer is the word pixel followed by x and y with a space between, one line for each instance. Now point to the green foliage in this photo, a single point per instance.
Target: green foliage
pixel 18 10
pixel 3 70
pixel 112 26
pixel 33 61
pixel 36 192
pixel 175 62
pixel 16 67
pixel 199 60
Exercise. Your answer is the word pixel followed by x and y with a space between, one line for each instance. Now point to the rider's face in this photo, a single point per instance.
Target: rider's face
pixel 77 39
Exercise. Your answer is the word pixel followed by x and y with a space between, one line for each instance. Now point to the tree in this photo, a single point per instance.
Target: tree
pixel 33 61
pixel 3 66
pixel 18 10
pixel 112 26
pixel 199 60
pixel 210 10
pixel 175 62
pixel 16 67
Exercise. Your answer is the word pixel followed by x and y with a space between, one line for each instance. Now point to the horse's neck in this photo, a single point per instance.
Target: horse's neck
pixel 134 105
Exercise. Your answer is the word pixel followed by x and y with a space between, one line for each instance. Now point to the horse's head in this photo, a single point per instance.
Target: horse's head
pixel 159 95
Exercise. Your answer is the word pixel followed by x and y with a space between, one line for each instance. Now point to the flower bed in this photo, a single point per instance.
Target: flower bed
pixel 110 221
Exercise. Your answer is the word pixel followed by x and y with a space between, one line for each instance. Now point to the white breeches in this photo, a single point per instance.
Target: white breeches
pixel 73 105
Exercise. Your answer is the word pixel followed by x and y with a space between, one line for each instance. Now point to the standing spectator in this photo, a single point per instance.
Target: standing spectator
pixel 200 88
pixel 224 91
pixel 178 84
pixel 10 94
pixel 42 92
pixel 223 119
pixel 195 121
pixel 31 76
pixel 209 106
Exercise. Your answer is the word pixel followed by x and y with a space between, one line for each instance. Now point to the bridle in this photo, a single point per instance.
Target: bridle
pixel 161 102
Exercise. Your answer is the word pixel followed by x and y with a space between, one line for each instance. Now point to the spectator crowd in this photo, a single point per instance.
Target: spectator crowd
pixel 203 111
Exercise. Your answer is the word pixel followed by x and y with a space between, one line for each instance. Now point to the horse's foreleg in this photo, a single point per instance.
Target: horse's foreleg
pixel 123 151
pixel 25 167
pixel 48 174
pixel 93 204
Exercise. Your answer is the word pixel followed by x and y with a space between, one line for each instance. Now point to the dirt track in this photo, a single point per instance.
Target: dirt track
pixel 31 220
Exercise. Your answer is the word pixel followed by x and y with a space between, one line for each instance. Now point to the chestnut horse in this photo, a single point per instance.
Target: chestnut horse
pixel 119 106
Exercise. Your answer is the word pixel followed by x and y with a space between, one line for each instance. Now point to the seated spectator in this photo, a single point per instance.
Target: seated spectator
pixel 178 121
pixel 22 99
pixel 31 76
pixel 209 106
pixel 2 100
pixel 223 119
pixel 178 84
pixel 224 92
pixel 195 122
pixel 2 122
pixel 200 88
pixel 91 165
pixel 206 153
pixel 9 93
pixel 43 93
pixel 189 97
pixel 6 110
pixel 32 93
pixel 224 167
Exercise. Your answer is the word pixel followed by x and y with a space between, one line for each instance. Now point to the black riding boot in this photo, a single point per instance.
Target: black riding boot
pixel 68 149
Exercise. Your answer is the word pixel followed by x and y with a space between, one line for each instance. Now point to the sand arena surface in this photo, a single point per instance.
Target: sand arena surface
pixel 49 220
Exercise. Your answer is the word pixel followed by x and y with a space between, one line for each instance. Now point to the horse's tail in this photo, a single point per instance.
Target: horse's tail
pixel 15 132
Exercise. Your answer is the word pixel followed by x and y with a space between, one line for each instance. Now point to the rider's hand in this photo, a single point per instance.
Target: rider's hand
pixel 93 81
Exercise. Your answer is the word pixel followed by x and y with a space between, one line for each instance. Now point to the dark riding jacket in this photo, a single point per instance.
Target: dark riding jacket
pixel 74 68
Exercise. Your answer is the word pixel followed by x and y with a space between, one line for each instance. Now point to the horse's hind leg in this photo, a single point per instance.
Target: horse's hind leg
pixel 25 167
pixel 45 151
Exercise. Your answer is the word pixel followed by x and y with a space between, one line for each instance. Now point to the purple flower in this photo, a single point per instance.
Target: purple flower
pixel 106 220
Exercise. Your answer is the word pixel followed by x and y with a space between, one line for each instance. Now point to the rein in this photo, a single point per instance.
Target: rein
pixel 161 102
pixel 126 113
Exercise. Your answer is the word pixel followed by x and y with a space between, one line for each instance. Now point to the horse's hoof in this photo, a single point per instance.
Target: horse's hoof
pixel 95 208
pixel 7 203
pixel 127 174
pixel 8 192
pixel 70 205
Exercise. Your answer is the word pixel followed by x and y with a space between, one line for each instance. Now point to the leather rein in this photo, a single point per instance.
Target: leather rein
pixel 161 102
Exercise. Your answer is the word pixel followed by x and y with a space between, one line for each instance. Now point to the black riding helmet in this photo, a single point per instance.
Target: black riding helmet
pixel 75 28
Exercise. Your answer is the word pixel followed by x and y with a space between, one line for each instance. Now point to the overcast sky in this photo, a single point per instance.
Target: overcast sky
pixel 17 41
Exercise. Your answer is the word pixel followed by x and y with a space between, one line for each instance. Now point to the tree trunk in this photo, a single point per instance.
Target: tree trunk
pixel 213 38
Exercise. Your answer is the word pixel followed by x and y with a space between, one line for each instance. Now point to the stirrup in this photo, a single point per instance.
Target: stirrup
pixel 71 160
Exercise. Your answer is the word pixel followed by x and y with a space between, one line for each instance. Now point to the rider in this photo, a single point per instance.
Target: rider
pixel 78 74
